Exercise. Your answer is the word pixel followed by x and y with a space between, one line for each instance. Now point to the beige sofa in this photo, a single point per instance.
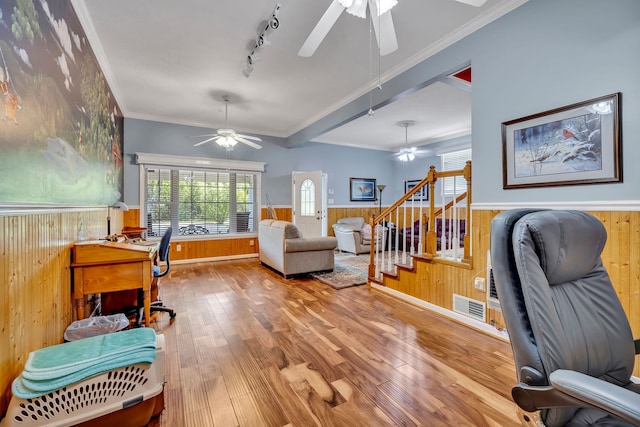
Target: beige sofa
pixel 355 236
pixel 283 248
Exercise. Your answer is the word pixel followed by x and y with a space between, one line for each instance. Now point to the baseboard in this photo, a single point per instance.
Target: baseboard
pixel 217 258
pixel 475 324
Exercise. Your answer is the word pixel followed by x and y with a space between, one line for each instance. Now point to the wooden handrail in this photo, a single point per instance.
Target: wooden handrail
pixel 429 242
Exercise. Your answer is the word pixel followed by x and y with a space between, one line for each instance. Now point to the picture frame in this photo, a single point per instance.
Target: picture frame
pixel 576 144
pixel 422 195
pixel 362 189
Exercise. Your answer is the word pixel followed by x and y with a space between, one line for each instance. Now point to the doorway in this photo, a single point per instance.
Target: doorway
pixel 310 202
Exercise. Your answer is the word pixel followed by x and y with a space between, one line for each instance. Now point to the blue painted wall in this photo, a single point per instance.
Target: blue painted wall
pixel 545 54
pixel 548 54
pixel 340 163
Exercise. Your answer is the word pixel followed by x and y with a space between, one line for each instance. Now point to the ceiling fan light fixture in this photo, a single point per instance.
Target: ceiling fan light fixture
pixel 228 138
pixel 355 7
pixel 359 7
pixel 385 5
pixel 476 3
pixel 406 157
pixel 227 142
pixel 407 154
pixel 383 25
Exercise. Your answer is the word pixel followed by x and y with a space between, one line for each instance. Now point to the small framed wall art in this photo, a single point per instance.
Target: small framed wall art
pixel 362 189
pixel 421 195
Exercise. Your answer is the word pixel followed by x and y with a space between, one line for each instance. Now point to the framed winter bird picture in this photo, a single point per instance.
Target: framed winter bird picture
pixel 575 144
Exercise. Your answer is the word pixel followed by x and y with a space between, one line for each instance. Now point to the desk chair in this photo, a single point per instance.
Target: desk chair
pixel 163 255
pixel 571 340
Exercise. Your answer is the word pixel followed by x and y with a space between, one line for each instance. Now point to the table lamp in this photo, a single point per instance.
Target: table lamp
pixel 118 205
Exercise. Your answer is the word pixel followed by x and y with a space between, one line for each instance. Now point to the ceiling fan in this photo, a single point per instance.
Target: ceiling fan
pixel 228 138
pixel 380 12
pixel 407 153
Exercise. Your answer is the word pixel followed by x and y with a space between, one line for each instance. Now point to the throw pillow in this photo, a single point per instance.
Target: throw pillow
pixel 365 232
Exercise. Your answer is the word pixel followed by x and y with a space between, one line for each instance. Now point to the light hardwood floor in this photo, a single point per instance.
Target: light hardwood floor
pixel 249 348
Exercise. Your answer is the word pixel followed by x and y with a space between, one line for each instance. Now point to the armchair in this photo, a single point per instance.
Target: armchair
pixel 571 340
pixel 354 235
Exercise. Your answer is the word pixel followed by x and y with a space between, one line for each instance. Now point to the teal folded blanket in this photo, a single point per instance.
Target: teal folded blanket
pixel 58 366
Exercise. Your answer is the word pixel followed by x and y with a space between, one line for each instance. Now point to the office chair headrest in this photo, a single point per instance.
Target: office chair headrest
pixel 568 243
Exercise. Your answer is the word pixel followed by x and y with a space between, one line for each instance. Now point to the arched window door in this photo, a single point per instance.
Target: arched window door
pixel 309 200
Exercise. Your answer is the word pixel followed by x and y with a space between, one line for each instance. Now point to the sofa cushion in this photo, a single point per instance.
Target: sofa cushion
pixel 292 232
pixel 346 227
pixel 365 233
pixel 357 222
pixel 310 244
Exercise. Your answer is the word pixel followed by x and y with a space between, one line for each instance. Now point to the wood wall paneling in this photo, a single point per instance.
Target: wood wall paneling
pixel 436 283
pixel 35 290
pixel 284 214
pixel 35 293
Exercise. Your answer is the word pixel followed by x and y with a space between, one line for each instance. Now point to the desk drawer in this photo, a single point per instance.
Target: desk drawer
pixel 110 278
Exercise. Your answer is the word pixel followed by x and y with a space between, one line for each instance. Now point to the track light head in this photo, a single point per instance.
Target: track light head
pixel 247 70
pixel 261 41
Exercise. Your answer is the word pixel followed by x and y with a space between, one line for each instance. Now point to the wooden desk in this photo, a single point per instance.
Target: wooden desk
pixel 101 266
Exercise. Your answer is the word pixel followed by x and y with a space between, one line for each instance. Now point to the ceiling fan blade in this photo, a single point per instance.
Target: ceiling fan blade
pixel 205 141
pixel 246 141
pixel 202 136
pixel 321 29
pixel 476 3
pixel 253 138
pixel 385 32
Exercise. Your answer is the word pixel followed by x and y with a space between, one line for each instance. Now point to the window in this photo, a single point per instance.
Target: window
pixel 198 200
pixel 307 198
pixel 455 160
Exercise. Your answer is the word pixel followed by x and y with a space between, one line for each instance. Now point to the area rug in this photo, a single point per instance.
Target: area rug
pixel 349 270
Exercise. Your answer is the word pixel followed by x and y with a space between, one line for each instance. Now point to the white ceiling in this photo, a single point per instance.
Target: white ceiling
pixel 172 61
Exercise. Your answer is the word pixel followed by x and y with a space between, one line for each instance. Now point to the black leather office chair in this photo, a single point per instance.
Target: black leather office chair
pixel 572 344
pixel 163 255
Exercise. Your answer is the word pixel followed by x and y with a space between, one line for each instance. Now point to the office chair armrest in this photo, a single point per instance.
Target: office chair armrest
pixel 637 343
pixel 597 393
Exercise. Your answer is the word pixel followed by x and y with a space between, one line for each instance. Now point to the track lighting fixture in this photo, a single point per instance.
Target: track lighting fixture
pixel 261 41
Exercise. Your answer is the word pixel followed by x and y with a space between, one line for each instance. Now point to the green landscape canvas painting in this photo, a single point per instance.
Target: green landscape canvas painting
pixel 61 129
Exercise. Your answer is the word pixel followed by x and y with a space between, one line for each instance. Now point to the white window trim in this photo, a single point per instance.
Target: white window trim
pixel 198 162
pixel 160 160
pixel 447 182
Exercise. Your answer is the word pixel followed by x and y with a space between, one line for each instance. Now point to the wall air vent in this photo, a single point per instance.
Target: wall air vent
pixel 469 307
pixel 492 295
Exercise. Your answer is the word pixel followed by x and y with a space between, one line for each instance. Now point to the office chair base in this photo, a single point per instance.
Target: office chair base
pixel 172 313
pixel 529 419
pixel 155 307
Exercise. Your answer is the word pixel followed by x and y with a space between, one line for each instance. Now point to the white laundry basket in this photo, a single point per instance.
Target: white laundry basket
pixel 121 397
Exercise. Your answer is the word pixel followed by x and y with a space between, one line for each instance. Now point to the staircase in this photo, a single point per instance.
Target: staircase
pixel 414 229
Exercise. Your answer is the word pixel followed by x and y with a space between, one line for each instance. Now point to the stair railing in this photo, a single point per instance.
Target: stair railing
pixel 403 231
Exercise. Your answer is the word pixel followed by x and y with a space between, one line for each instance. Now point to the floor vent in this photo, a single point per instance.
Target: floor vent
pixel 492 295
pixel 469 307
